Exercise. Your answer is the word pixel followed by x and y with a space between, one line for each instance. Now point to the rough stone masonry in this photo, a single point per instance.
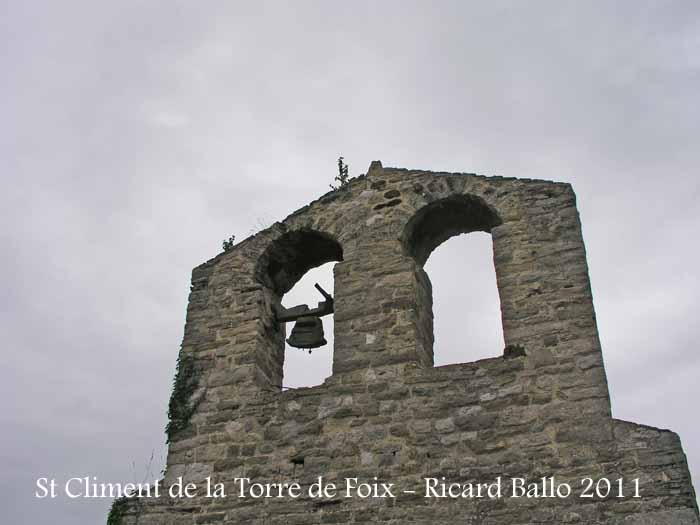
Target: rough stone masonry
pixel 541 410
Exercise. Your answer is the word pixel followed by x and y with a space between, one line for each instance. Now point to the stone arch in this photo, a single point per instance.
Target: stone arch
pixel 428 228
pixel 291 255
pixel 439 220
pixel 282 264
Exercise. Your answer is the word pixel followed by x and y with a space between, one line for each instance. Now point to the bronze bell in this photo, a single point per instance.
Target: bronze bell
pixel 307 333
pixel 308 329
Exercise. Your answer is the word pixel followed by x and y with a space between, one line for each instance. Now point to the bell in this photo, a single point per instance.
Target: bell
pixel 307 333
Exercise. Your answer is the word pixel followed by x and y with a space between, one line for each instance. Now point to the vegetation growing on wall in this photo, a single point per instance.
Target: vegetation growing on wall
pixel 512 351
pixel 180 408
pixel 227 244
pixel 342 178
pixel 117 511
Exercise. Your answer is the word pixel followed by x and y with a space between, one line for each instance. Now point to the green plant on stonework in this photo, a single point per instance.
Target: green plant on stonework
pixel 117 511
pixel 342 178
pixel 180 408
pixel 513 351
pixel 227 244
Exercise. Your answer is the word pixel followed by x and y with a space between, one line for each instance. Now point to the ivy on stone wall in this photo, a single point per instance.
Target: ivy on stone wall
pixel 180 407
pixel 117 511
pixel 513 351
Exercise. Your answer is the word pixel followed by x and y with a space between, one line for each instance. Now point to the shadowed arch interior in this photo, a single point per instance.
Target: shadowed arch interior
pixel 293 254
pixel 438 221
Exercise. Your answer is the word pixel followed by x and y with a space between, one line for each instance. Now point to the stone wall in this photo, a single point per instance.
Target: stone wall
pixel 386 411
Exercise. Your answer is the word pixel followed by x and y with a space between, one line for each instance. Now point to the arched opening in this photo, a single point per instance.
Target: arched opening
pixel 459 313
pixel 302 367
pixel 466 308
pixel 288 270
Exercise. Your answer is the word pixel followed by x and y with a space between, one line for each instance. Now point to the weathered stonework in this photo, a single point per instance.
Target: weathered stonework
pixel 386 411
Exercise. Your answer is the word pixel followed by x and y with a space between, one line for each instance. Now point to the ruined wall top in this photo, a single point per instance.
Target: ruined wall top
pixel 381 227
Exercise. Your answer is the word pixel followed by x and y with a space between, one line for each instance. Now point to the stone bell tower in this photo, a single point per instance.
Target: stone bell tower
pixel 540 410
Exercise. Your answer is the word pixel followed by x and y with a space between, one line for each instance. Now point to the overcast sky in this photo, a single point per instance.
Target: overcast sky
pixel 135 136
